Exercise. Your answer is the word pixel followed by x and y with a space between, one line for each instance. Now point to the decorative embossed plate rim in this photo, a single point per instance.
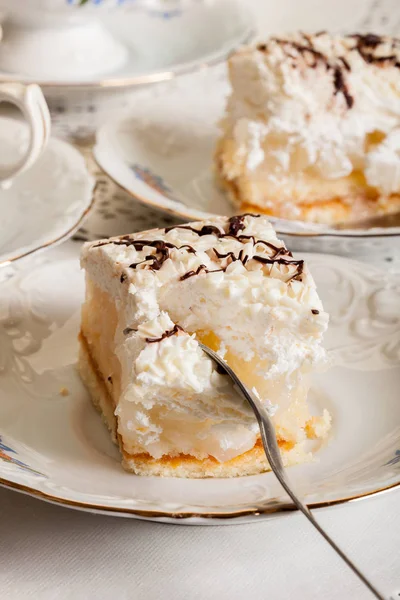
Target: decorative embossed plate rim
pixel 76 465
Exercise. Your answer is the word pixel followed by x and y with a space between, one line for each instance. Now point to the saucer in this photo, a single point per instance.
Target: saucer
pixel 158 45
pixel 162 153
pixel 54 445
pixel 47 203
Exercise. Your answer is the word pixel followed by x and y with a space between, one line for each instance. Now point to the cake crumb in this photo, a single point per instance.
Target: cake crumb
pixel 318 427
pixel 64 391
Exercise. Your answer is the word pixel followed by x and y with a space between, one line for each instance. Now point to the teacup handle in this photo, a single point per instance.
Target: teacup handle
pixel 30 100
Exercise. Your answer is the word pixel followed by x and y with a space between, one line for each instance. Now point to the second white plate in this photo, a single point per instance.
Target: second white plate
pixel 162 154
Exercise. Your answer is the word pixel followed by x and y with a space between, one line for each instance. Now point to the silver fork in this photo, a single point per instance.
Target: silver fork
pixel 273 454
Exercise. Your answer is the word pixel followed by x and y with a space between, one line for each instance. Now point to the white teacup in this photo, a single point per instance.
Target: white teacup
pixel 68 40
pixel 30 101
pixel 61 40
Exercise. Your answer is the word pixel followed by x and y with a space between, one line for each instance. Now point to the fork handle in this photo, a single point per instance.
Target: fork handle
pixel 268 437
pixel 265 424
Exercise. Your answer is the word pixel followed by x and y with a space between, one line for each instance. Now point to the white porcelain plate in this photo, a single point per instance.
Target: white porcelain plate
pixel 45 204
pixel 162 154
pixel 54 445
pixel 158 46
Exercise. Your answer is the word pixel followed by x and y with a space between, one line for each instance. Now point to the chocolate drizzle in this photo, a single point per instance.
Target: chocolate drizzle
pixel 283 261
pixel 205 230
pixel 367 40
pixel 166 334
pixel 366 45
pixel 341 86
pixel 236 225
pixel 310 55
pixel 277 249
pixel 156 261
pixel 313 57
pixel 241 256
pixel 345 63
pixel 200 269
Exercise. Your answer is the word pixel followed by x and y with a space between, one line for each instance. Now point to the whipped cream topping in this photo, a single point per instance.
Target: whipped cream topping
pixel 321 104
pixel 234 285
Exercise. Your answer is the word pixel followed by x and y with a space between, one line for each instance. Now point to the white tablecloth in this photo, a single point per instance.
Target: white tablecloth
pixel 48 552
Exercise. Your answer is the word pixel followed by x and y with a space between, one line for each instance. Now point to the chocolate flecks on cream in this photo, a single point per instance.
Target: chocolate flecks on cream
pixel 200 269
pixel 339 82
pixel 345 63
pixel 283 261
pixel 276 249
pixel 127 240
pixel 313 57
pixel 233 228
pixel 166 334
pixel 341 86
pixel 205 230
pixel 275 259
pixel 155 261
pixel 308 52
pixel 231 255
pixel 235 224
pixel 369 40
pixel 367 45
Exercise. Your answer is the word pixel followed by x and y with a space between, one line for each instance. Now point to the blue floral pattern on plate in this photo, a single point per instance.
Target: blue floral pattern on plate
pixel 395 460
pixel 156 182
pixel 5 456
pixel 158 12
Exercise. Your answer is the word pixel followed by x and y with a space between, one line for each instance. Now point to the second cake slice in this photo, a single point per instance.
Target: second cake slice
pixel 312 127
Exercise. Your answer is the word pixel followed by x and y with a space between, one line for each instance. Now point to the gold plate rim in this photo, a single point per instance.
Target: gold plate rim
pixel 61 238
pixel 112 83
pixel 257 512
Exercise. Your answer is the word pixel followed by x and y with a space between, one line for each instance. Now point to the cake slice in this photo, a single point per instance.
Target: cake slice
pixel 151 296
pixel 312 127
